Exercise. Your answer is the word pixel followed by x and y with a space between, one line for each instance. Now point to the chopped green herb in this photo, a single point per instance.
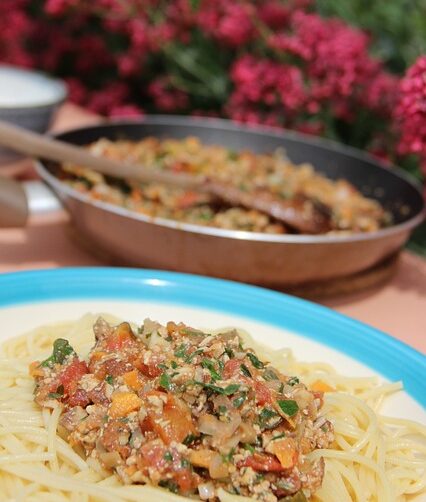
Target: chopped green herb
pixel 245 371
pixel 109 379
pixel 174 365
pixel 58 394
pixel 255 361
pixel 185 464
pixel 293 381
pixel 181 351
pixel 268 419
pixel 220 365
pixel 190 357
pixel 259 477
pixel 105 418
pixel 238 401
pixel 268 374
pixel 163 366
pixel 61 349
pixel 222 409
pixel 190 438
pixel 165 381
pixel 169 484
pixel 209 364
pixel 228 456
pixel 124 420
pixel 281 389
pixel 279 436
pixel 227 391
pixel 168 456
pixel 229 352
pixel 289 407
pixel 249 447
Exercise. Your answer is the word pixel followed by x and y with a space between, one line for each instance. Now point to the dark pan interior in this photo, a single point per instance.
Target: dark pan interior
pixel 391 187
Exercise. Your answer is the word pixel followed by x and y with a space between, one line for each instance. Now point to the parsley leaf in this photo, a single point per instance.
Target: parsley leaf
pixel 209 364
pixel 61 349
pixel 165 381
pixel 245 371
pixel 268 374
pixel 109 379
pixel 293 381
pixel 255 361
pixel 289 407
pixel 190 438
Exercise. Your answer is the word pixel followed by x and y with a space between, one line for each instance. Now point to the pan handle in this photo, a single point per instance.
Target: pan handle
pixel 20 200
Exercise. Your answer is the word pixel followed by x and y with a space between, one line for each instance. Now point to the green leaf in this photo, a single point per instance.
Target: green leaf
pixel 189 439
pixel 109 379
pixel 293 381
pixel 238 401
pixel 245 371
pixel 209 364
pixel 227 391
pixel 255 361
pixel 168 456
pixel 165 381
pixel 61 349
pixel 268 374
pixel 190 357
pixel 289 407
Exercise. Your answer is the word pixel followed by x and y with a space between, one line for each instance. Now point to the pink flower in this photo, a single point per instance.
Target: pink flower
pixel 166 97
pixel 274 14
pixel 410 114
pixel 126 111
pixel 228 22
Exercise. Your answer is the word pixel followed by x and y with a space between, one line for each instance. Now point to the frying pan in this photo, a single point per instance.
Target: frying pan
pixel 270 260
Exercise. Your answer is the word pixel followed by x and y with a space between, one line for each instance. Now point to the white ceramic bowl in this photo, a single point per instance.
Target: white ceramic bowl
pixel 28 99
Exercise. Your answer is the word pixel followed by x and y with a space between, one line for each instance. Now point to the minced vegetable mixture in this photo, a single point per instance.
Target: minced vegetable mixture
pixel 188 411
pixel 345 207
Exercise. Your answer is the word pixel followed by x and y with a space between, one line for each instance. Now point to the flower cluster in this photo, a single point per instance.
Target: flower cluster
pixel 411 112
pixel 275 62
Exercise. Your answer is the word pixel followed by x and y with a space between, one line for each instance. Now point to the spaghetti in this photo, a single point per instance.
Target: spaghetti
pixel 372 458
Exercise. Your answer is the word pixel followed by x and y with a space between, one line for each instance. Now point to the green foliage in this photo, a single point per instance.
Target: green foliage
pixel 398 27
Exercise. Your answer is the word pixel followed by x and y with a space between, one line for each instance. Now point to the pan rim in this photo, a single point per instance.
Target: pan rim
pixel 61 187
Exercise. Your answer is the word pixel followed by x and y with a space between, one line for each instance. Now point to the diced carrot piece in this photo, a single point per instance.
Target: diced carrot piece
pixel 201 458
pixel 173 422
pixel 97 356
pixel 35 370
pixel 286 451
pixel 132 380
pixel 321 386
pixel 121 337
pixel 124 403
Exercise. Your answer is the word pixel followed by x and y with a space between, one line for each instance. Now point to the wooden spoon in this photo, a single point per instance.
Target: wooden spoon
pixel 300 213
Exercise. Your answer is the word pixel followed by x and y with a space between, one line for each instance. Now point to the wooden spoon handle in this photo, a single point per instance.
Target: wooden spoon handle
pixel 36 145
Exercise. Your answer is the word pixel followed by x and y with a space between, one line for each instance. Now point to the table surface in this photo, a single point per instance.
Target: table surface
pixel 398 307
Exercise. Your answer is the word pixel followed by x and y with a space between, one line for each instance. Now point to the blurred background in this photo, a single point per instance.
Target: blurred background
pixel 352 71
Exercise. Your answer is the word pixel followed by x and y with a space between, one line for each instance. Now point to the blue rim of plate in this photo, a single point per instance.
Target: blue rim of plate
pixel 382 353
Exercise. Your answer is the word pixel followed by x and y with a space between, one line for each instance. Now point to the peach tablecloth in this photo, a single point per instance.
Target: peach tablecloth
pixel 398 308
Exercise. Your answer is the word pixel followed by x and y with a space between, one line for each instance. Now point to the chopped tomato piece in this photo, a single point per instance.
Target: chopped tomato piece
pixel 231 368
pixel 70 376
pixel 79 398
pixel 186 480
pixel 120 338
pixel 263 394
pixel 262 462
pixel 151 369
pixel 188 199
